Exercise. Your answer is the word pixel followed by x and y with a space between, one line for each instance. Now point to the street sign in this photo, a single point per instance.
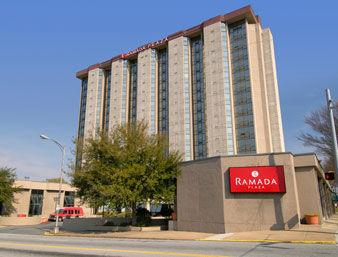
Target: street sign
pixel 258 179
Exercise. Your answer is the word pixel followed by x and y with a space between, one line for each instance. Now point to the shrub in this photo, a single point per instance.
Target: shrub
pixel 166 210
pixel 143 217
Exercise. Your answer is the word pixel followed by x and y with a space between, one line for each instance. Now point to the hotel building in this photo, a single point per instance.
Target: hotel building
pixel 212 89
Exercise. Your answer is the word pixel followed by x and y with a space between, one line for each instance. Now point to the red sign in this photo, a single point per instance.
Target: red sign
pixel 261 179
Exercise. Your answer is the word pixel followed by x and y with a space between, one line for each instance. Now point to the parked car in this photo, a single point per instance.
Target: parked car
pixel 67 212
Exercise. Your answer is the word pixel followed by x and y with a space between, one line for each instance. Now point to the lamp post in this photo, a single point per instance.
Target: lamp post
pixel 333 131
pixel 57 208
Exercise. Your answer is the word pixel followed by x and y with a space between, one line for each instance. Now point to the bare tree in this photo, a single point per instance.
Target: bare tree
pixel 320 136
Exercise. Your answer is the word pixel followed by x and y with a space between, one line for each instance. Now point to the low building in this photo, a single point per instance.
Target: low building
pixel 270 191
pixel 37 198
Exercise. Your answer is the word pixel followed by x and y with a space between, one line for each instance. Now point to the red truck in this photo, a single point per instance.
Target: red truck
pixel 67 212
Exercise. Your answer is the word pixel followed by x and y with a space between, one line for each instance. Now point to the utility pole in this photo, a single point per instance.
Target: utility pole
pixel 333 130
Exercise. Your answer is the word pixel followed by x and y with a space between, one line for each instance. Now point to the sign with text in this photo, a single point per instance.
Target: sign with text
pixel 259 179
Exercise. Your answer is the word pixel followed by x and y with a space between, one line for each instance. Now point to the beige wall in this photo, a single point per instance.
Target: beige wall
pixel 116 94
pixel 308 192
pixel 261 211
pixel 307 167
pixel 91 107
pixel 145 89
pixel 178 129
pixel 258 90
pixel 205 204
pixel 272 92
pixel 21 202
pixel 50 192
pixel 215 91
pixel 200 197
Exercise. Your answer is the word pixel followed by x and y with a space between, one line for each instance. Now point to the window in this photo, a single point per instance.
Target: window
pixel 245 136
pixel 69 199
pixel 132 91
pixel 36 202
pixel 82 119
pixel 186 92
pixel 107 88
pixel 124 92
pixel 163 91
pixel 153 91
pixel 198 98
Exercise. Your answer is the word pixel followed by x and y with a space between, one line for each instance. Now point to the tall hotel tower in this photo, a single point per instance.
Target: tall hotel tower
pixel 212 89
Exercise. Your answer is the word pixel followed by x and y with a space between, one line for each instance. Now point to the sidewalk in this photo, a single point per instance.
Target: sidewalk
pixel 327 233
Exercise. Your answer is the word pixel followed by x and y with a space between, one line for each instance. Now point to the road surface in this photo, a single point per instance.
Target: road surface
pixel 19 245
pixel 38 229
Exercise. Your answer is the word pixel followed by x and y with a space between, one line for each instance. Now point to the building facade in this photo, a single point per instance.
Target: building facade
pixel 36 198
pixel 207 201
pixel 211 89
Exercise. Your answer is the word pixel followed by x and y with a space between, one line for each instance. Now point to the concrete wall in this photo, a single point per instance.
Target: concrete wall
pixel 179 128
pixel 95 77
pixel 205 204
pixel 116 94
pixel 93 224
pixel 276 127
pixel 307 168
pixel 143 86
pixel 18 221
pixel 200 197
pixel 258 90
pixel 261 211
pixel 308 192
pixel 50 193
pixel 214 73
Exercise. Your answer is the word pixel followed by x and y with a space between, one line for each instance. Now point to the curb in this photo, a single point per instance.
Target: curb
pixel 210 240
pixel 272 241
pixel 110 237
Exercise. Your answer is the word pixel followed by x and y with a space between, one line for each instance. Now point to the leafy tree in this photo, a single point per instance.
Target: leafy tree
pixel 127 167
pixel 320 138
pixel 7 190
pixel 55 180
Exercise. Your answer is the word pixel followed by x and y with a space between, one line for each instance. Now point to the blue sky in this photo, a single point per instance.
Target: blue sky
pixel 43 44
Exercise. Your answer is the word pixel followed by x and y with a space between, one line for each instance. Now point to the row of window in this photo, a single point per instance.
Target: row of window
pixel 107 99
pixel 163 92
pixel 245 136
pixel 192 69
pixel 36 201
pixel 198 98
pixel 133 91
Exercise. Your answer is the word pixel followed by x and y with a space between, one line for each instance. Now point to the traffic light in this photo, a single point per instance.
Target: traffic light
pixel 329 175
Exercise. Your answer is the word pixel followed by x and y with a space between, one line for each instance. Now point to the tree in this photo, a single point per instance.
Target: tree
pixel 127 167
pixel 7 190
pixel 320 138
pixel 55 180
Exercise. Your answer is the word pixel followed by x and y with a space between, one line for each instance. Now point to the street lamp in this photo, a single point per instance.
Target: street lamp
pixel 57 208
pixel 333 131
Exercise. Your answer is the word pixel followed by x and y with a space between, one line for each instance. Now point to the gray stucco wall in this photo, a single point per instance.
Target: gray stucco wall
pixel 261 211
pixel 205 204
pixel 308 193
pixel 200 197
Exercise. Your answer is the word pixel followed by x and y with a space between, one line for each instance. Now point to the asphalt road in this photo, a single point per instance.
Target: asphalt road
pixel 37 245
pixel 28 230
